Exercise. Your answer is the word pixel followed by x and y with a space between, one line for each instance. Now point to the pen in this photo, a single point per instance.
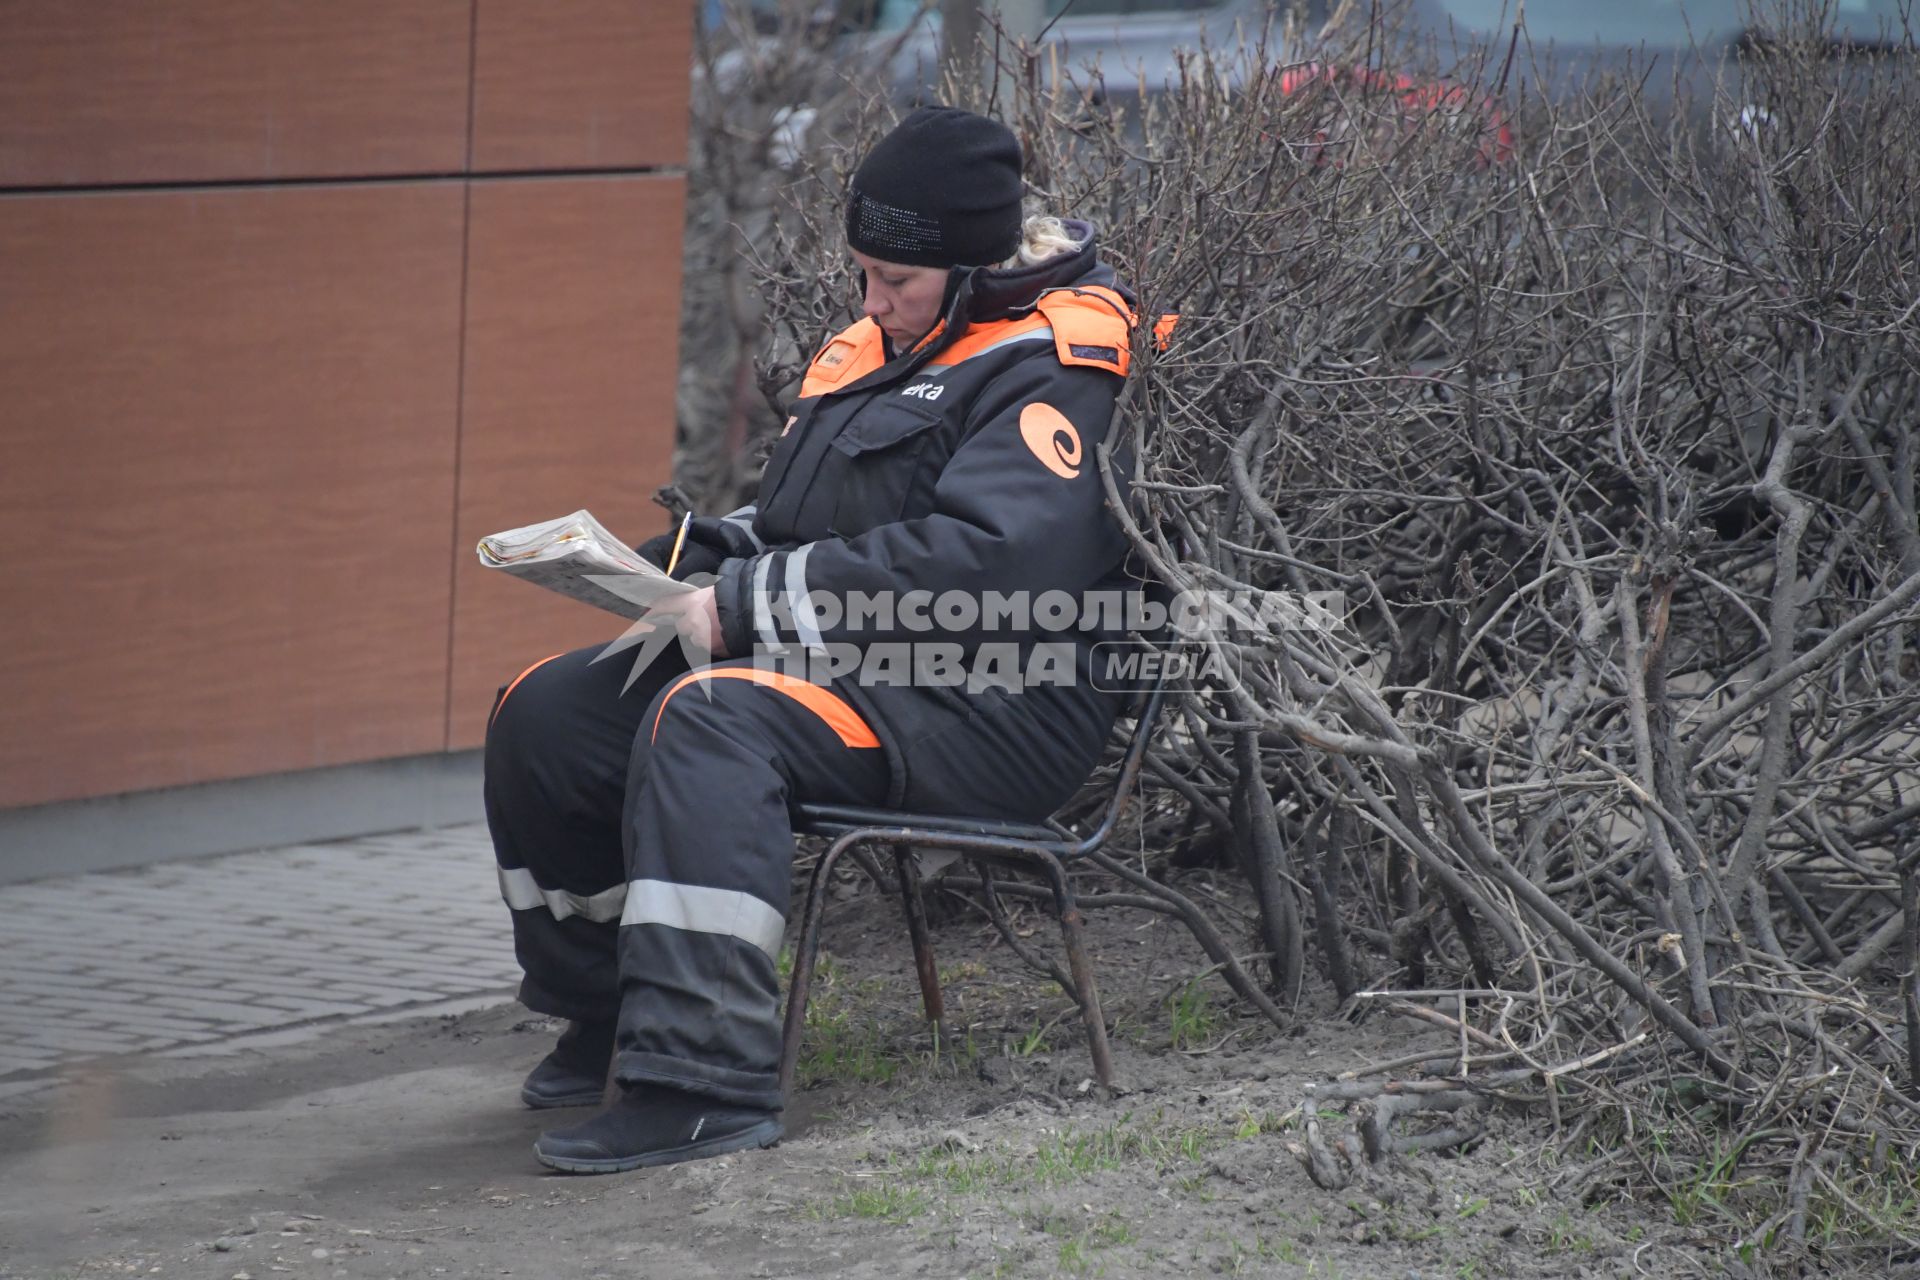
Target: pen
pixel 686 521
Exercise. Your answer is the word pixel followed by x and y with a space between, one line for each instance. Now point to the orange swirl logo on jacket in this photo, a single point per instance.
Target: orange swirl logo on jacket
pixel 1042 426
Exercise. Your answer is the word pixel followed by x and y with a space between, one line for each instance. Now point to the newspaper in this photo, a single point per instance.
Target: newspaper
pixel 576 556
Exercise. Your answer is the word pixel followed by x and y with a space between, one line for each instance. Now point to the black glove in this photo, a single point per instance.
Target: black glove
pixel 709 541
pixel 695 557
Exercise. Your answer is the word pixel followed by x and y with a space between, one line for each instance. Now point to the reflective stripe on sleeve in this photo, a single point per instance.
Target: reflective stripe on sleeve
pixel 762 610
pixel 697 909
pixel 523 893
pixel 806 619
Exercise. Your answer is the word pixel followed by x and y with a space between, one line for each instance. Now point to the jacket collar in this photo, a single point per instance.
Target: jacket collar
pixel 983 295
pixel 992 293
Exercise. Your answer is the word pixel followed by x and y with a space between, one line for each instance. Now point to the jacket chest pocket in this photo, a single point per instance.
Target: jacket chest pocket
pixel 886 467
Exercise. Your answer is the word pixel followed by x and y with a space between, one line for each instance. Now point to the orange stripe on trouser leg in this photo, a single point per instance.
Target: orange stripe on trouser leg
pixel 825 703
pixel 516 684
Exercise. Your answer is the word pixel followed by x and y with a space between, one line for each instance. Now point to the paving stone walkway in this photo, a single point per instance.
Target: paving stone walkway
pixel 195 952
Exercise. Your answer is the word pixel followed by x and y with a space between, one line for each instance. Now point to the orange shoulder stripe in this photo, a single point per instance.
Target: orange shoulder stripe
pixel 828 705
pixel 980 337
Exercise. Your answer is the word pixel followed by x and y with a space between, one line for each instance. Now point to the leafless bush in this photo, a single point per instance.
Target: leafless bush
pixel 767 83
pixel 1601 411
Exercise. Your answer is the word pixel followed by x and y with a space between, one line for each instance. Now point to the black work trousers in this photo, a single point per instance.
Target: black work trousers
pixel 645 846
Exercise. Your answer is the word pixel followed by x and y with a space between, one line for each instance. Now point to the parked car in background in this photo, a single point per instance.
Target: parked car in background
pixel 1138 43
pixel 1689 46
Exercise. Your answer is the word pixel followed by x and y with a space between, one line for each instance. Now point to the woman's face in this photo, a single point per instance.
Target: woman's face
pixel 903 301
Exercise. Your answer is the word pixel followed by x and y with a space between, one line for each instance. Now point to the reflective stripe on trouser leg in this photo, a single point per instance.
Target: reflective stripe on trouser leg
pixel 523 893
pixel 709 856
pixel 556 759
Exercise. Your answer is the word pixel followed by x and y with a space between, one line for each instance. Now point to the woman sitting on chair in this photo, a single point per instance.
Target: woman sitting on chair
pixel 900 620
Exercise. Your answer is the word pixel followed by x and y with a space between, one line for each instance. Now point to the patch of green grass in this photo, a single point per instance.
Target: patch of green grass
pixel 959 1173
pixel 1079 1245
pixel 1074 1259
pixel 1864 1207
pixel 959 1054
pixel 1384 1222
pixel 1252 1124
pixel 1190 1017
pixel 1069 1154
pixel 1066 1155
pixel 1564 1237
pixel 1029 1042
pixel 882 1202
pixel 843 1044
pixel 1195 1185
pixel 1012 1260
pixel 855 1033
pixel 1710 1185
pixel 1239 1258
pixel 1258 1256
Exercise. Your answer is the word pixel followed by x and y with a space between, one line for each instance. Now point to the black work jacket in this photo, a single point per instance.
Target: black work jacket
pixel 965 465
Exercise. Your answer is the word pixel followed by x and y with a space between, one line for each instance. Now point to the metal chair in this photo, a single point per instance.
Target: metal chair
pixel 984 840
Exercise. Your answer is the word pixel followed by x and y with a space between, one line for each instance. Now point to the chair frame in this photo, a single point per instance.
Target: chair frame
pixel 983 841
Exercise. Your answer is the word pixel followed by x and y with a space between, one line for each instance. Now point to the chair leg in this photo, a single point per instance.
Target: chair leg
pixel 908 867
pixel 1087 993
pixel 806 949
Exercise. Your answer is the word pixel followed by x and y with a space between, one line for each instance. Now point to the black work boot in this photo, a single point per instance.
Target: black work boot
pixel 651 1124
pixel 575 1073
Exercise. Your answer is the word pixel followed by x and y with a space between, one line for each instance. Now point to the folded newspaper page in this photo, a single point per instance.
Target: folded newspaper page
pixel 576 556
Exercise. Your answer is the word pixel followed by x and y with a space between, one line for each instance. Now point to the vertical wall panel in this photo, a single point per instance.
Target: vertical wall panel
pixel 120 91
pixel 580 84
pixel 272 375
pixel 228 420
pixel 572 318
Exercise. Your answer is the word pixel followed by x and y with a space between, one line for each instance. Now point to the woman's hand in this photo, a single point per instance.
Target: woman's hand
pixel 695 615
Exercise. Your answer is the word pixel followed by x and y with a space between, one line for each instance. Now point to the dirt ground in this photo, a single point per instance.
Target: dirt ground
pixel 400 1150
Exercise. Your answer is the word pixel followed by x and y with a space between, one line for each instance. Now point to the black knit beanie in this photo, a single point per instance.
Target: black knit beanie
pixel 941 190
